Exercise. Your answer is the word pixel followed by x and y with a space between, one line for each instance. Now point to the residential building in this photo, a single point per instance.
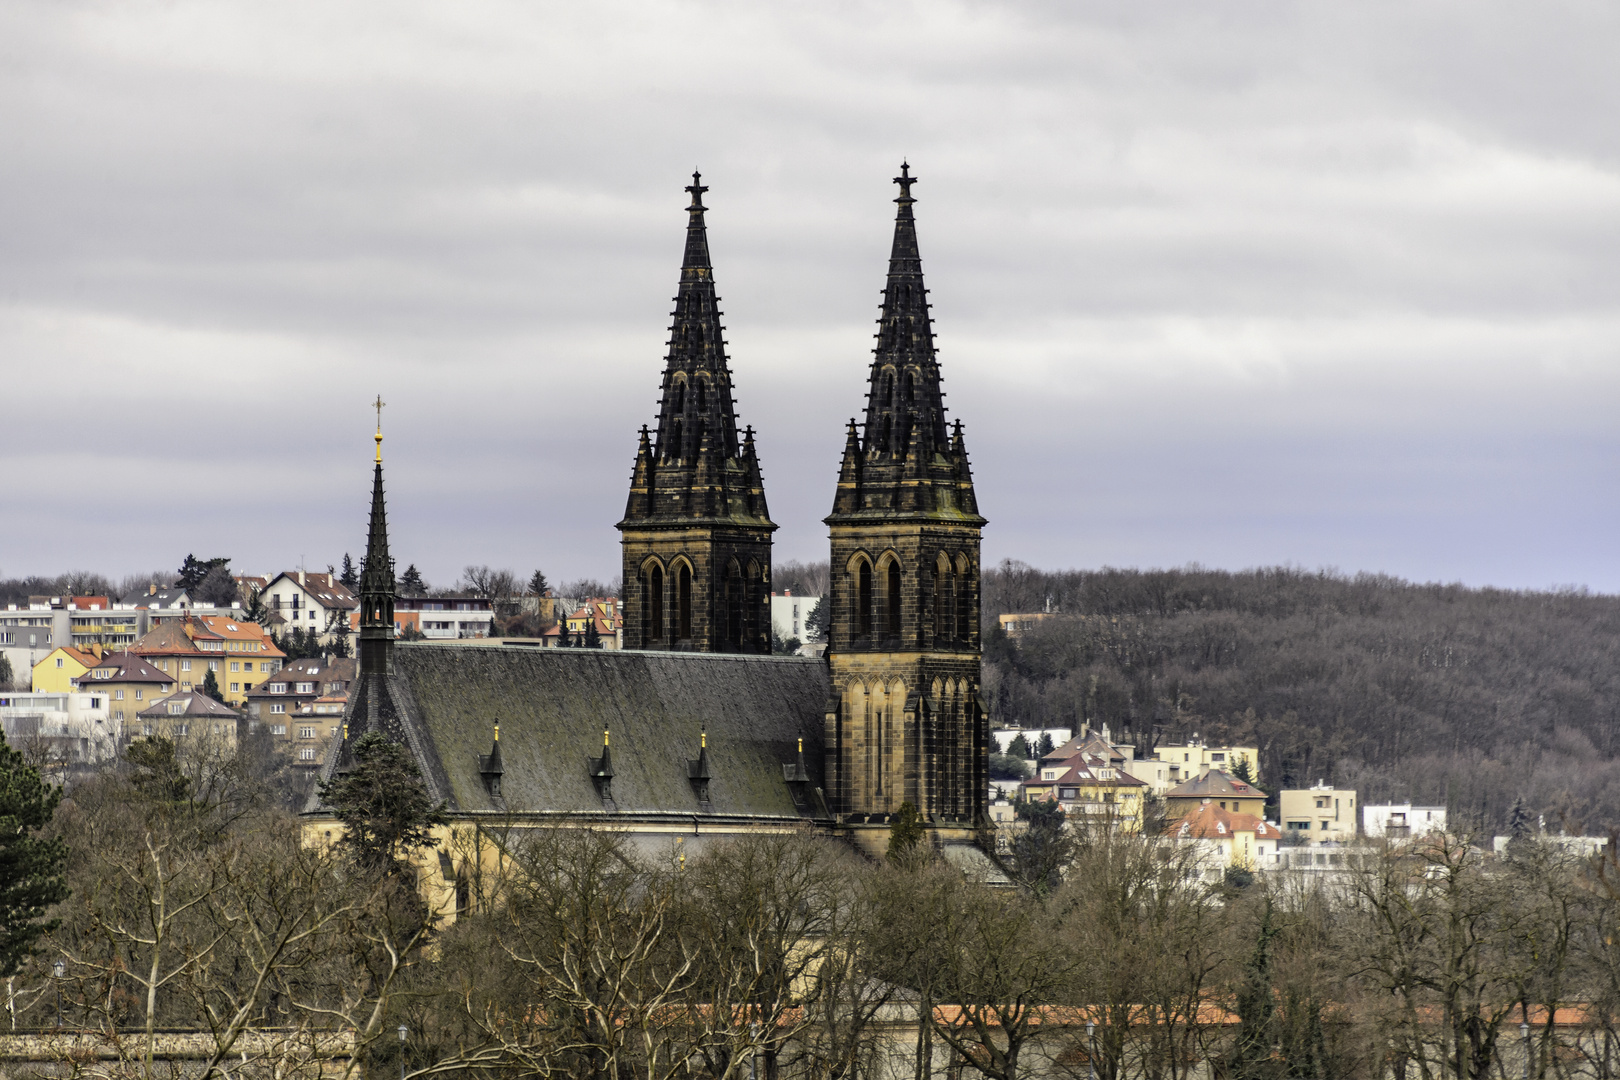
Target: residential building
pixel 1087 778
pixel 609 620
pixel 301 708
pixel 317 603
pixel 60 730
pixel 1014 625
pixel 164 605
pixel 1215 786
pixel 57 670
pixel 250 656
pixel 1193 758
pixel 240 654
pixel 191 721
pixel 1395 820
pixel 26 637
pixel 130 683
pixel 790 616
pixel 438 617
pixel 1226 838
pixel 1318 813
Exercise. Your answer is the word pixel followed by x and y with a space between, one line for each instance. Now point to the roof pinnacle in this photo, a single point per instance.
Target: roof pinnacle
pixel 697 188
pixel 378 405
pixel 905 180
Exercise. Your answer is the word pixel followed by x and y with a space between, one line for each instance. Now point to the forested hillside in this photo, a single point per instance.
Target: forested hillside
pixel 1437 693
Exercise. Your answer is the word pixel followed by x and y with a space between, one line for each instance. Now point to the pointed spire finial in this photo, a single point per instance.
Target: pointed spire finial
pixel 697 188
pixel 378 405
pixel 905 180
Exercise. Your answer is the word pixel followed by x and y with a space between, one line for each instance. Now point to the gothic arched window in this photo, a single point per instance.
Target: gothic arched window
pixel 684 604
pixel 734 604
pixel 655 603
pixel 893 612
pixel 863 599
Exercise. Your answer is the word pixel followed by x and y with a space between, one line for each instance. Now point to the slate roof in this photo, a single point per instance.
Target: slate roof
pixel 1214 784
pixel 553 704
pixel 171 637
pixel 192 704
pixel 122 667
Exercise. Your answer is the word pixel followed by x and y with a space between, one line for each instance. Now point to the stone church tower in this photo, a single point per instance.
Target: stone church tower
pixel 904 723
pixel 696 534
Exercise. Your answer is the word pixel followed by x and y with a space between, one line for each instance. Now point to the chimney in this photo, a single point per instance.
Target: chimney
pixel 151 590
pixel 300 577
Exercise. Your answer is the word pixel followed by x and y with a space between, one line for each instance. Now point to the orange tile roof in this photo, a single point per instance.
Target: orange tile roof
pixel 232 629
pixel 1210 822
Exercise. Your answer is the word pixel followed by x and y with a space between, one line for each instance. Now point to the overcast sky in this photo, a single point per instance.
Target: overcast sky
pixel 1236 284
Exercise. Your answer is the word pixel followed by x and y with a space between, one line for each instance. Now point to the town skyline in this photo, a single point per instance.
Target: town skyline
pixel 1336 299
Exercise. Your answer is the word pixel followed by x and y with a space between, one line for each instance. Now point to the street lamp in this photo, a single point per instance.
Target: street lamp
pixel 404 1033
pixel 59 969
pixel 1091 1049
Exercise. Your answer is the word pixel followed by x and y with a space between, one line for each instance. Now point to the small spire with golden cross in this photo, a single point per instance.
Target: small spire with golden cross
pixel 378 405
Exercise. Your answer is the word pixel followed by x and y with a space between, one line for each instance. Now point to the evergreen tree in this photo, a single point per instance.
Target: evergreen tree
pixel 383 805
pixel 412 584
pixel 591 639
pixel 905 834
pixel 1520 824
pixel 1243 770
pixel 30 866
pixel 255 610
pixel 1256 1004
pixel 562 635
pixel 1019 747
pixel 818 622
pixel 210 686
pixel 350 576
pixel 1042 850
pixel 157 773
pixel 1045 746
pixel 538 583
pixel 5 670
pixel 193 570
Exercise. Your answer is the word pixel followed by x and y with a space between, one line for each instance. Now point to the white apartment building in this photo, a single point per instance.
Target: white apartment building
pixel 1402 819
pixel 313 602
pixel 790 616
pixel 73 728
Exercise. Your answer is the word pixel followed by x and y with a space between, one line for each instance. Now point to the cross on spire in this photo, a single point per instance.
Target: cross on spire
pixel 697 188
pixel 378 405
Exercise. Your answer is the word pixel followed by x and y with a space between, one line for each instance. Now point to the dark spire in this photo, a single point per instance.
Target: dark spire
pixel 697 379
pixel 696 465
pixel 905 460
pixel 377 579
pixel 903 391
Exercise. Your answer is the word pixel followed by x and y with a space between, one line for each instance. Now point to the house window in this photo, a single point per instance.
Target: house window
pixel 118 715
pixel 58 661
pixel 213 665
pixel 278 729
pixel 306 688
pixel 306 753
pixel 236 666
pixel 138 693
pixel 182 729
pixel 177 710
pixel 146 729
pixel 118 695
pixel 185 665
pixel 185 686
pixel 278 707
pixel 306 733
pixel 278 688
pixel 236 688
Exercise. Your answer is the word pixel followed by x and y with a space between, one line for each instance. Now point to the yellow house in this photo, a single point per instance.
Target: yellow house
pixel 1222 789
pixel 1092 790
pixel 1190 760
pixel 240 654
pixel 130 683
pixel 1224 838
pixel 62 665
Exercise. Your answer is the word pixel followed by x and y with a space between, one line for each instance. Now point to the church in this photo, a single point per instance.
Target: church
pixel 695 729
